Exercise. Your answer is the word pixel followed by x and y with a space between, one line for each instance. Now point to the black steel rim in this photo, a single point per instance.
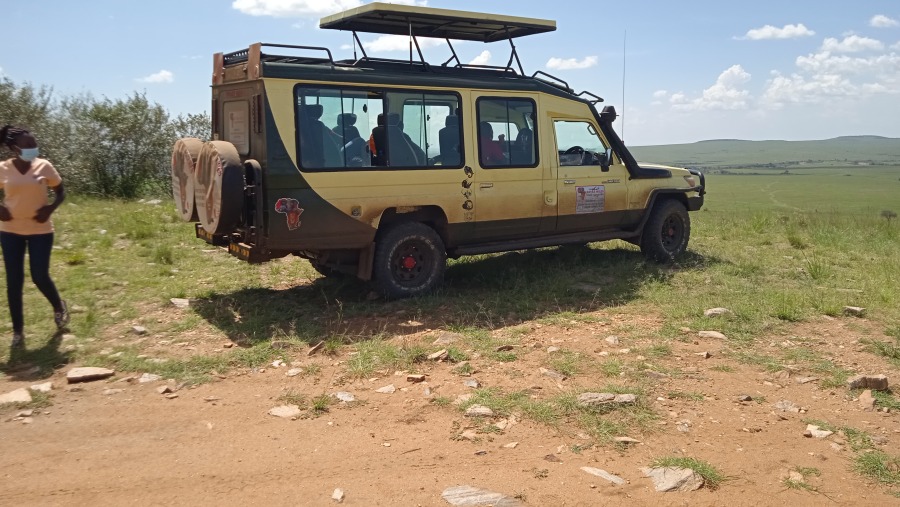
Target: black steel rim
pixel 672 232
pixel 411 263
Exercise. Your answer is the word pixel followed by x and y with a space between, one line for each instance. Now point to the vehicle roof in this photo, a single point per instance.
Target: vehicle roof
pixel 418 21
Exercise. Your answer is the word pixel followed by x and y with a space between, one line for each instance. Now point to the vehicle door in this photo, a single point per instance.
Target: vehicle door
pixel 507 182
pixel 592 192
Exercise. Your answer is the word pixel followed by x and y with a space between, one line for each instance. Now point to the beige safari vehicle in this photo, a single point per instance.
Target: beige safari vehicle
pixel 383 169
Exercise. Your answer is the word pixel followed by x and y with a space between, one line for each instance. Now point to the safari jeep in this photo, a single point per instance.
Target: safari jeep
pixel 383 168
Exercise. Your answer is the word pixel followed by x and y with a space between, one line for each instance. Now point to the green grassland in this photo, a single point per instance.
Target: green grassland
pixel 727 153
pixel 775 249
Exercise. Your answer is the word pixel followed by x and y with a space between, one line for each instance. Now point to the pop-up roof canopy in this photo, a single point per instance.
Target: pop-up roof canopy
pixel 430 22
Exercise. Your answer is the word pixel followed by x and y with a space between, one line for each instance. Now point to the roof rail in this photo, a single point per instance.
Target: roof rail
pixel 594 98
pixel 553 81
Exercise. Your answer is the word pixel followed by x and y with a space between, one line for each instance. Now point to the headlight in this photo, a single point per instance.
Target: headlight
pixel 691 181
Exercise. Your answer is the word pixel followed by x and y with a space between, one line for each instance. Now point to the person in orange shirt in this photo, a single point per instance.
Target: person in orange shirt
pixel 25 225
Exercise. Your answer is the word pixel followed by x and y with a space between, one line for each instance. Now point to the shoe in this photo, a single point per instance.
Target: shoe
pixel 62 316
pixel 17 341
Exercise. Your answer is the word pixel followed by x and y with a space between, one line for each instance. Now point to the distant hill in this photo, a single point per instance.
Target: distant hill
pixel 734 153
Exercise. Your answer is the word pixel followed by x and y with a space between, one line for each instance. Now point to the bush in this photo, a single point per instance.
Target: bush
pixel 108 148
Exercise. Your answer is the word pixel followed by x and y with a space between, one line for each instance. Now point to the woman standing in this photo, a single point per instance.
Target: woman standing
pixel 25 224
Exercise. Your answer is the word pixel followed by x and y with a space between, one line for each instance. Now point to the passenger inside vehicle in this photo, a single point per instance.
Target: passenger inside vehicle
pixel 353 146
pixel 449 141
pixel 491 152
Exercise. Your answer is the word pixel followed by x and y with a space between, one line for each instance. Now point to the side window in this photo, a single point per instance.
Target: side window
pixel 506 132
pixel 577 143
pixel 418 132
pixel 328 127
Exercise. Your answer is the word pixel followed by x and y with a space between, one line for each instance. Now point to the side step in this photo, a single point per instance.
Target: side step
pixel 561 239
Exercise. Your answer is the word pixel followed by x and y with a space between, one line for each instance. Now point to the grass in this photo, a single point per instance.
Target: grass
pixel 712 478
pixel 802 484
pixel 880 467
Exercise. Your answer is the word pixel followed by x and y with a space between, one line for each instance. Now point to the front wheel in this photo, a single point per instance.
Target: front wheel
pixel 667 231
pixel 410 260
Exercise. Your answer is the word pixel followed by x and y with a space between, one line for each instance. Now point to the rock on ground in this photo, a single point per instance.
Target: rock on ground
pixel 674 479
pixel 867 401
pixel 388 389
pixel 479 411
pixel 20 395
pixel 876 382
pixel 286 411
pixel 46 387
pixel 468 496
pixel 603 474
pixel 712 334
pixel 813 431
pixel 87 374
pixel 717 312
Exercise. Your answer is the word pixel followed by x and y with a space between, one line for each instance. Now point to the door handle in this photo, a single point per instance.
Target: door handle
pixel 568 182
pixel 486 185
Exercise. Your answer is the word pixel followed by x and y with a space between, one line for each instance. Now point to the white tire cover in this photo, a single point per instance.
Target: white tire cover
pixel 184 159
pixel 219 187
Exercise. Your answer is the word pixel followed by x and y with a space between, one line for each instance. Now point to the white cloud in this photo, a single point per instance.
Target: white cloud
pixel 572 63
pixel 302 8
pixel 798 89
pixel 483 59
pixel 772 32
pixel 827 63
pixel 882 21
pixel 896 47
pixel 726 94
pixel 386 43
pixel 163 76
pixel 659 94
pixel 852 44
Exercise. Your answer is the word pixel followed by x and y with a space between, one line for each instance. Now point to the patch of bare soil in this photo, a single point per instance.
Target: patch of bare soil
pixel 117 442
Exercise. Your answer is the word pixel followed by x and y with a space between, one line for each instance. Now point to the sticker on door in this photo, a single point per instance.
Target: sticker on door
pixel 589 199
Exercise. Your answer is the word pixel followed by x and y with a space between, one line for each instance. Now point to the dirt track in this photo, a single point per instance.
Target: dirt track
pixel 402 449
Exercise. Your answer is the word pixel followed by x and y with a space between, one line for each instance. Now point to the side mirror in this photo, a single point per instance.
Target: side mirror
pixel 606 160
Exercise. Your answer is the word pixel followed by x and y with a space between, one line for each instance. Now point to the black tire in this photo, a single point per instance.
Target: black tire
pixel 410 260
pixel 667 232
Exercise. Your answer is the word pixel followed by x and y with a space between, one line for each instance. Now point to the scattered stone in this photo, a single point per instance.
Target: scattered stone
pixel 555 375
pixel 474 384
pixel 87 374
pixel 795 477
pixel 788 406
pixel 504 348
pixel 148 377
pixel 286 411
pixel 854 311
pixel 479 411
pixel 745 397
pixel 552 458
pixel 717 312
pixel 445 338
pixel 511 445
pixel 552 349
pixel 683 426
pixel 172 396
pixel 110 392
pixel 278 363
pixel 469 435
pixel 712 334
pixel 164 390
pixel 181 302
pixel 211 398
pixel 344 396
pixel 594 399
pixel 20 395
pixel 625 398
pixel 623 351
pixel 415 378
pixel 227 345
pixel 388 389
pixel 874 382
pixel 440 355
pixel 612 340
pixel 805 380
pixel 674 479
pixel 293 372
pixel 626 440
pixel 704 354
pixel 315 348
pixel 338 495
pixel 813 431
pixel 468 496
pixel 25 413
pixel 603 474
pixel 139 330
pixel 480 452
pixel 867 401
pixel 46 387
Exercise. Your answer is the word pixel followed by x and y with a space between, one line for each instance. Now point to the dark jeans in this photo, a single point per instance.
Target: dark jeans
pixel 39 247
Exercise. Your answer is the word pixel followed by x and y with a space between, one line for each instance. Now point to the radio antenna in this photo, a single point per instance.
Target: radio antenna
pixel 624 40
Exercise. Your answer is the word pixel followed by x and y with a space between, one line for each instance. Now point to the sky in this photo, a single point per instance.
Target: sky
pixel 693 70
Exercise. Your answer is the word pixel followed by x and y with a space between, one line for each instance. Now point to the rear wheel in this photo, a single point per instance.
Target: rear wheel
pixel 667 232
pixel 410 260
pixel 219 187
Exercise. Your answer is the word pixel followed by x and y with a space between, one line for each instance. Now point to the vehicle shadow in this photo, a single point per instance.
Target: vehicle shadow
pixel 488 291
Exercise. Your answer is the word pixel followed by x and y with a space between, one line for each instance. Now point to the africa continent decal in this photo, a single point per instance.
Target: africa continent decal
pixel 292 210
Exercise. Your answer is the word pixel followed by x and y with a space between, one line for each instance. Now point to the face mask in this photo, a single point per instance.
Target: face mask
pixel 28 154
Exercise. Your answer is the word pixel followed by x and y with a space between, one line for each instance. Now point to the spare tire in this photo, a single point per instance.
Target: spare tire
pixel 219 187
pixel 184 159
